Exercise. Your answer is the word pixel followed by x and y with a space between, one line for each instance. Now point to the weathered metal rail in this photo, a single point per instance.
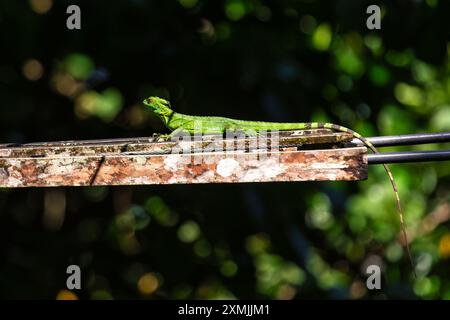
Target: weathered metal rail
pixel 295 156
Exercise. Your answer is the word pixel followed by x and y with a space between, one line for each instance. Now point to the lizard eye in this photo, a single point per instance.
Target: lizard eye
pixel 148 101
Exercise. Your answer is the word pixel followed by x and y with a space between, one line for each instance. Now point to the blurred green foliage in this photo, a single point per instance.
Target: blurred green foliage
pixel 280 61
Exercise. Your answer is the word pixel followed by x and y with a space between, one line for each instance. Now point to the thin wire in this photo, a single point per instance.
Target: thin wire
pixel 409 156
pixel 408 139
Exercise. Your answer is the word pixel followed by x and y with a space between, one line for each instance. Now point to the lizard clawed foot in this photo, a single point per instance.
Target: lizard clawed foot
pixel 159 137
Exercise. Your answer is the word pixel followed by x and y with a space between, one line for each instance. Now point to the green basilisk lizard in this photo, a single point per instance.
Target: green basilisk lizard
pixel 178 123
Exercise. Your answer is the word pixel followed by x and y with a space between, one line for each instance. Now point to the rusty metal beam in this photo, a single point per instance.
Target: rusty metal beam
pixel 314 155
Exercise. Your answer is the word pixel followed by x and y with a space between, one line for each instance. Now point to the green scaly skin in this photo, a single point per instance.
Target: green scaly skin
pixel 177 123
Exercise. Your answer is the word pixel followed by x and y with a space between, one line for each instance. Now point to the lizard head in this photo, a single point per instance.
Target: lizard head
pixel 159 106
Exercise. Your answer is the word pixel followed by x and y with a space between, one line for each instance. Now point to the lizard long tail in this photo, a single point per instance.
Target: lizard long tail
pixel 386 167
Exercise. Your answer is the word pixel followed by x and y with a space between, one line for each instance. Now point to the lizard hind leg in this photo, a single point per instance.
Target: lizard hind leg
pixel 232 131
pixel 240 132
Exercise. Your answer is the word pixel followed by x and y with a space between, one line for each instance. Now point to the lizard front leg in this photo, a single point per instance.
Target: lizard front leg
pixel 175 133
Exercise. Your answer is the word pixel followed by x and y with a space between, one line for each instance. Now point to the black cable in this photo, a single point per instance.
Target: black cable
pixel 408 139
pixel 409 156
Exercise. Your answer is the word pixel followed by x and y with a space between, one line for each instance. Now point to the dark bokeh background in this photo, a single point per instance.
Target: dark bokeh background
pixel 258 60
